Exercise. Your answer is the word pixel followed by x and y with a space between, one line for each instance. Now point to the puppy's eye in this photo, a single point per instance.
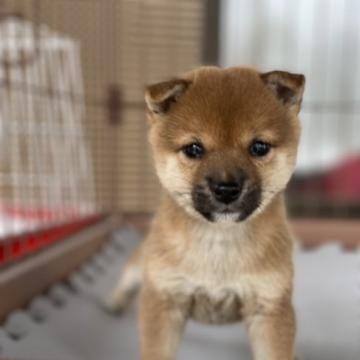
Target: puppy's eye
pixel 193 151
pixel 259 148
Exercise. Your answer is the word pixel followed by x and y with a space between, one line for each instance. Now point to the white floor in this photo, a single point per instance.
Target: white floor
pixel 75 327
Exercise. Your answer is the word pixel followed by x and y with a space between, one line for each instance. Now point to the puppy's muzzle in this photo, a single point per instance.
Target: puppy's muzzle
pixel 225 192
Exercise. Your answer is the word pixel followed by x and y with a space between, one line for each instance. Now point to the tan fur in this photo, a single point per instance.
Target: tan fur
pixel 222 271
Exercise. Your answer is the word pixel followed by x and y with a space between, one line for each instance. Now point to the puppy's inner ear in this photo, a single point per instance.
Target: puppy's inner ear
pixel 160 97
pixel 287 87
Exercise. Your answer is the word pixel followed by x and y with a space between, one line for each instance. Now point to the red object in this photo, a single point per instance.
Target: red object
pixel 33 242
pixel 343 182
pixel 2 253
pixel 20 246
pixel 17 248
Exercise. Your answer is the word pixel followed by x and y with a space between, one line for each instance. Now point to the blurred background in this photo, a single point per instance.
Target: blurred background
pixel 73 134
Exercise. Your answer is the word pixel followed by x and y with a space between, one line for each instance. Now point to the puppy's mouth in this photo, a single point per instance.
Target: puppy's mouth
pixel 237 211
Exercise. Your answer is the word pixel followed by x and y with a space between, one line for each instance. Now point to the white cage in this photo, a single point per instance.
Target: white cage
pixel 46 171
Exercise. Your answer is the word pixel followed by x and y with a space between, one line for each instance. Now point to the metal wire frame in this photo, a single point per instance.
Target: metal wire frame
pixel 27 111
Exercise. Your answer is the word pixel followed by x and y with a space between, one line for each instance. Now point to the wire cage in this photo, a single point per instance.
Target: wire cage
pixel 46 168
pixel 46 176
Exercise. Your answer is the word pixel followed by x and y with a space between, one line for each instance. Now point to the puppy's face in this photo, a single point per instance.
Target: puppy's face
pixel 225 140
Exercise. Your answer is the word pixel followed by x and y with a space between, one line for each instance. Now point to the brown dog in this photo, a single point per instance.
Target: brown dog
pixel 224 144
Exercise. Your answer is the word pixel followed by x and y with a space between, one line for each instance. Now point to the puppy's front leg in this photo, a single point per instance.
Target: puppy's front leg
pixel 272 333
pixel 161 325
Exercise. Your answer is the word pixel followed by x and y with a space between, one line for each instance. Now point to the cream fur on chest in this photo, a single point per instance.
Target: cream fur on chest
pixel 213 276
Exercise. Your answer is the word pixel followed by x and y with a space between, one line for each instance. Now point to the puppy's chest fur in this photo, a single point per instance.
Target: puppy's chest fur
pixel 211 281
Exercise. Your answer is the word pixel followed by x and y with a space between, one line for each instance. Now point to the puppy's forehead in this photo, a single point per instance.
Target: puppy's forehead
pixel 226 103
pixel 228 89
pixel 229 79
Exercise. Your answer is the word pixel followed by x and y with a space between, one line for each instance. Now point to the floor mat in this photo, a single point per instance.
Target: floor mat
pixel 69 322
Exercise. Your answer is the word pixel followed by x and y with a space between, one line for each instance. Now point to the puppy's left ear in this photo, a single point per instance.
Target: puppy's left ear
pixel 287 87
pixel 162 96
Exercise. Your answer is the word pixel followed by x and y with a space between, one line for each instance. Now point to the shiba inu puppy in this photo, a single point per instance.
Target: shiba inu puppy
pixel 224 143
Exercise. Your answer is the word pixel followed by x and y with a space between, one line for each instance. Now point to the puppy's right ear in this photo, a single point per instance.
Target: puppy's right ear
pixel 287 87
pixel 160 97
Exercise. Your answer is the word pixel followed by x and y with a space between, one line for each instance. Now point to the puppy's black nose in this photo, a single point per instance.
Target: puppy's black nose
pixel 226 192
